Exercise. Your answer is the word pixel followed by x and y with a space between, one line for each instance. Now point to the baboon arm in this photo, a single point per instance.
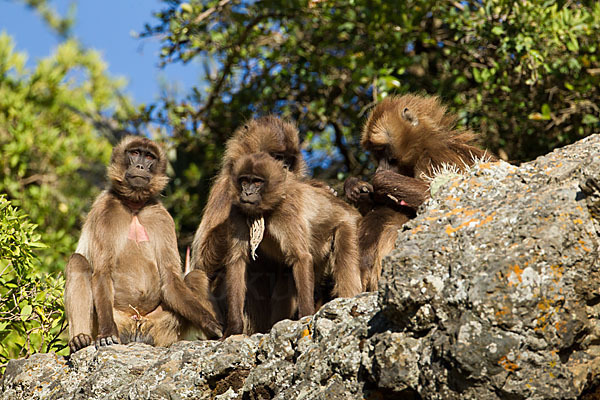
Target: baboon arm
pixel 178 297
pixel 176 294
pixel 396 189
pixel 209 246
pixel 304 278
pixel 295 246
pixel 209 253
pixel 103 292
pixel 236 295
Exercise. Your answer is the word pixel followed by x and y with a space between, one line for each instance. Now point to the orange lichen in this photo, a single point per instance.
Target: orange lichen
pixel 450 230
pixel 502 312
pixel 485 165
pixel 517 271
pixel 557 270
pixel 508 364
pixel 561 327
pixel 417 229
pixel 487 219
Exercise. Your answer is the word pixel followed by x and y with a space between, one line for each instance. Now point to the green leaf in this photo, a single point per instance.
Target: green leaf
pixel 26 312
pixel 477 75
pixel 589 119
pixel 498 31
pixel 546 111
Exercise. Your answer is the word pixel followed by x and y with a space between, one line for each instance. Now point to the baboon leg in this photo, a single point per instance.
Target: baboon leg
pixel 257 314
pixel 378 231
pixel 384 247
pixel 126 325
pixel 345 268
pixel 161 327
pixel 79 302
pixel 284 298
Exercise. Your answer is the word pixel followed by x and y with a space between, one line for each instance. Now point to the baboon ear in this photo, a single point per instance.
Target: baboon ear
pixel 410 117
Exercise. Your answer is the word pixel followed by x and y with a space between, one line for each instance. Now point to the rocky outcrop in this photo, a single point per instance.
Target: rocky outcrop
pixel 493 292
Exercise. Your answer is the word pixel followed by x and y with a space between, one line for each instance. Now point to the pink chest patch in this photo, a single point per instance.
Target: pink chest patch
pixel 137 231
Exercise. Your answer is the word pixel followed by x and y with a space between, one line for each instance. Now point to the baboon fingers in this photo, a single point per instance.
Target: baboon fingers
pixel 79 342
pixel 107 341
pixel 365 187
pixel 214 330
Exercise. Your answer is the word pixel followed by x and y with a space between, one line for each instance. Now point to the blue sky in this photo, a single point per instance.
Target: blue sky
pixel 106 26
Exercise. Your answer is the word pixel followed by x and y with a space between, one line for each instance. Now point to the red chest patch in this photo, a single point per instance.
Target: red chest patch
pixel 137 231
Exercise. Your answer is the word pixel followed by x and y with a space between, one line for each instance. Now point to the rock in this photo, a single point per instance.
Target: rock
pixel 492 292
pixel 499 276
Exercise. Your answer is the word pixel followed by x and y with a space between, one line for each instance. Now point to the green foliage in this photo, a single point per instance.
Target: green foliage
pixel 53 156
pixel 31 305
pixel 526 74
pixel 61 25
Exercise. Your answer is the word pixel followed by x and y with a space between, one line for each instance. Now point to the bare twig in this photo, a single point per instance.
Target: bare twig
pixel 349 159
pixel 230 61
pixel 210 11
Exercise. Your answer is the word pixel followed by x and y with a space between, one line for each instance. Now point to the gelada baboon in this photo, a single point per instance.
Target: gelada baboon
pixel 124 283
pixel 411 137
pixel 281 141
pixel 300 226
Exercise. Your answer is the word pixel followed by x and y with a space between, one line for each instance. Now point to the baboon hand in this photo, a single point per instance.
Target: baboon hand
pixel 79 342
pixel 213 330
pixel 357 190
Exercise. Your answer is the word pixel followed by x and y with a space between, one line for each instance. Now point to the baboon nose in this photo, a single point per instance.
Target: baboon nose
pixel 139 166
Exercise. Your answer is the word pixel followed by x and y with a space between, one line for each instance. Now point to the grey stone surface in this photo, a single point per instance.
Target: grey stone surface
pixel 493 292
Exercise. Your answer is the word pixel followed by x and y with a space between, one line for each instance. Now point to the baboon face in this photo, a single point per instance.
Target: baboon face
pixel 137 169
pixel 140 162
pixel 258 182
pixel 387 136
pixel 399 128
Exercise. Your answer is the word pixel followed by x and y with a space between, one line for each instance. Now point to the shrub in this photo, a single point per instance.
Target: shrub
pixel 31 302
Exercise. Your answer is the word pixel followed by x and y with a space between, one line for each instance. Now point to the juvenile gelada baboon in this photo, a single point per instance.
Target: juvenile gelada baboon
pixel 280 140
pixel 124 283
pixel 302 227
pixel 411 137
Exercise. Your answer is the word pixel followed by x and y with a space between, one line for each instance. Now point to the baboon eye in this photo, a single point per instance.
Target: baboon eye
pixel 287 161
pixel 150 156
pixel 257 182
pixel 134 153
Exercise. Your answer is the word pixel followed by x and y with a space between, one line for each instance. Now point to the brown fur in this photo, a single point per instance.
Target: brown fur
pixel 122 290
pixel 279 139
pixel 267 134
pixel 410 137
pixel 307 229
